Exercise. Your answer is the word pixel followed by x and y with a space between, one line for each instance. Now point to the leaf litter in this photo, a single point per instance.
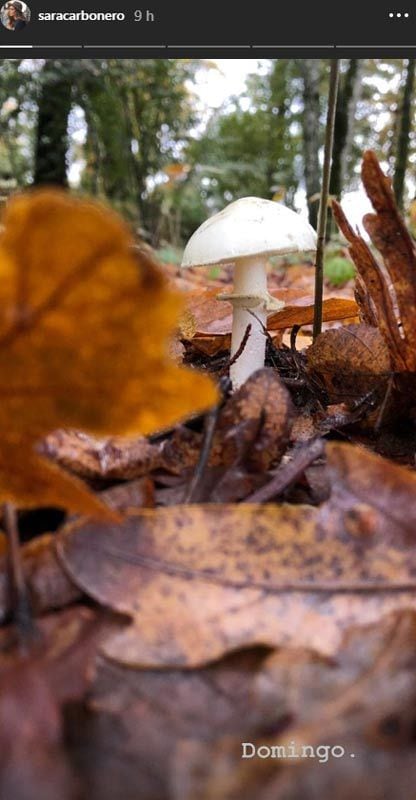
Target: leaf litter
pixel 278 604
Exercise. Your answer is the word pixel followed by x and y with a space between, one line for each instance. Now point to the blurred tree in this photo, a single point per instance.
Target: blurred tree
pixel 138 115
pixel 141 118
pixel 310 69
pixel 16 126
pixel 403 131
pixel 348 95
pixel 54 104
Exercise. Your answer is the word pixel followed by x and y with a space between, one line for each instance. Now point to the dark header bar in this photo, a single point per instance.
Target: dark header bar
pixel 101 28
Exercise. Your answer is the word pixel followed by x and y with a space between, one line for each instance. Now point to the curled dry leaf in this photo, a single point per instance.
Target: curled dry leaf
pixel 351 361
pixel 395 282
pixel 251 433
pixel 199 581
pixel 84 326
pixel 102 459
pixel 255 423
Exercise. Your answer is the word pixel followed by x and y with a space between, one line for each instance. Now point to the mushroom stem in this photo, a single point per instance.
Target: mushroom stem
pixel 250 279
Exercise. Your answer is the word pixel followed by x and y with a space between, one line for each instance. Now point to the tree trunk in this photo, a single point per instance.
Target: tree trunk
pixel 310 71
pixel 347 101
pixel 52 130
pixel 348 94
pixel 404 128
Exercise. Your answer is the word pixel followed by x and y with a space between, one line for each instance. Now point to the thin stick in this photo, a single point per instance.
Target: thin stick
pixel 21 609
pixel 288 474
pixel 194 487
pixel 241 348
pixel 323 203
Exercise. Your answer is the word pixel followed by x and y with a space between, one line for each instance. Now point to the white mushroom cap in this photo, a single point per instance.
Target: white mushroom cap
pixel 249 226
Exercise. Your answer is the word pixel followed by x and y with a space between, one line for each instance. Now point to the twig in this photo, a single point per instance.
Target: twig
pixel 240 349
pixel 198 476
pixel 211 419
pixel 21 608
pixel 293 334
pixel 288 474
pixel 323 203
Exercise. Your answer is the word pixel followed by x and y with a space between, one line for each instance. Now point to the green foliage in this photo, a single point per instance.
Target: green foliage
pixel 141 118
pixel 17 126
pixel 252 150
pixel 169 255
pixel 338 270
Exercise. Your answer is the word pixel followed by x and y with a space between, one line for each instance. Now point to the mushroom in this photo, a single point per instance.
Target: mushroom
pixel 245 234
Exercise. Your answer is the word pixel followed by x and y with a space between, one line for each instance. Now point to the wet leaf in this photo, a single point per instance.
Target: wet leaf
pixel 199 581
pixel 84 326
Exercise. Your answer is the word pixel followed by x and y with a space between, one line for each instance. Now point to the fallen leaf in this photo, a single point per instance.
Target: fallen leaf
pixel 251 434
pixel 199 581
pixel 207 316
pixel 351 361
pixel 360 702
pixel 255 423
pixel 390 236
pixel 48 585
pixel 126 737
pixel 332 309
pixel 33 761
pixel 84 326
pixel 117 458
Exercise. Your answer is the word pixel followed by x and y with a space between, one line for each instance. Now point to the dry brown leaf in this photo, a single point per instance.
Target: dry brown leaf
pixel 393 283
pixel 105 459
pixel 252 430
pixel 33 761
pixel 351 361
pixel 199 581
pixel 255 423
pixel 332 309
pixel 361 701
pixel 134 720
pixel 48 585
pixel 207 316
pixel 84 326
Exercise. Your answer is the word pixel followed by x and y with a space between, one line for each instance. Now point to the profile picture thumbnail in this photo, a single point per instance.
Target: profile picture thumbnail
pixel 15 15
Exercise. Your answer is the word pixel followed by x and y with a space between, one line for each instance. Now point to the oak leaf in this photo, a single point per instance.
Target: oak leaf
pixel 199 581
pixel 84 327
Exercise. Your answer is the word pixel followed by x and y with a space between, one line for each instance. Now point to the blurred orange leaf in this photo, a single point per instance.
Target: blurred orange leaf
pixel 84 326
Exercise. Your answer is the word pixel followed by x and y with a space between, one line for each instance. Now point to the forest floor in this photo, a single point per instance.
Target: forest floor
pixel 261 588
